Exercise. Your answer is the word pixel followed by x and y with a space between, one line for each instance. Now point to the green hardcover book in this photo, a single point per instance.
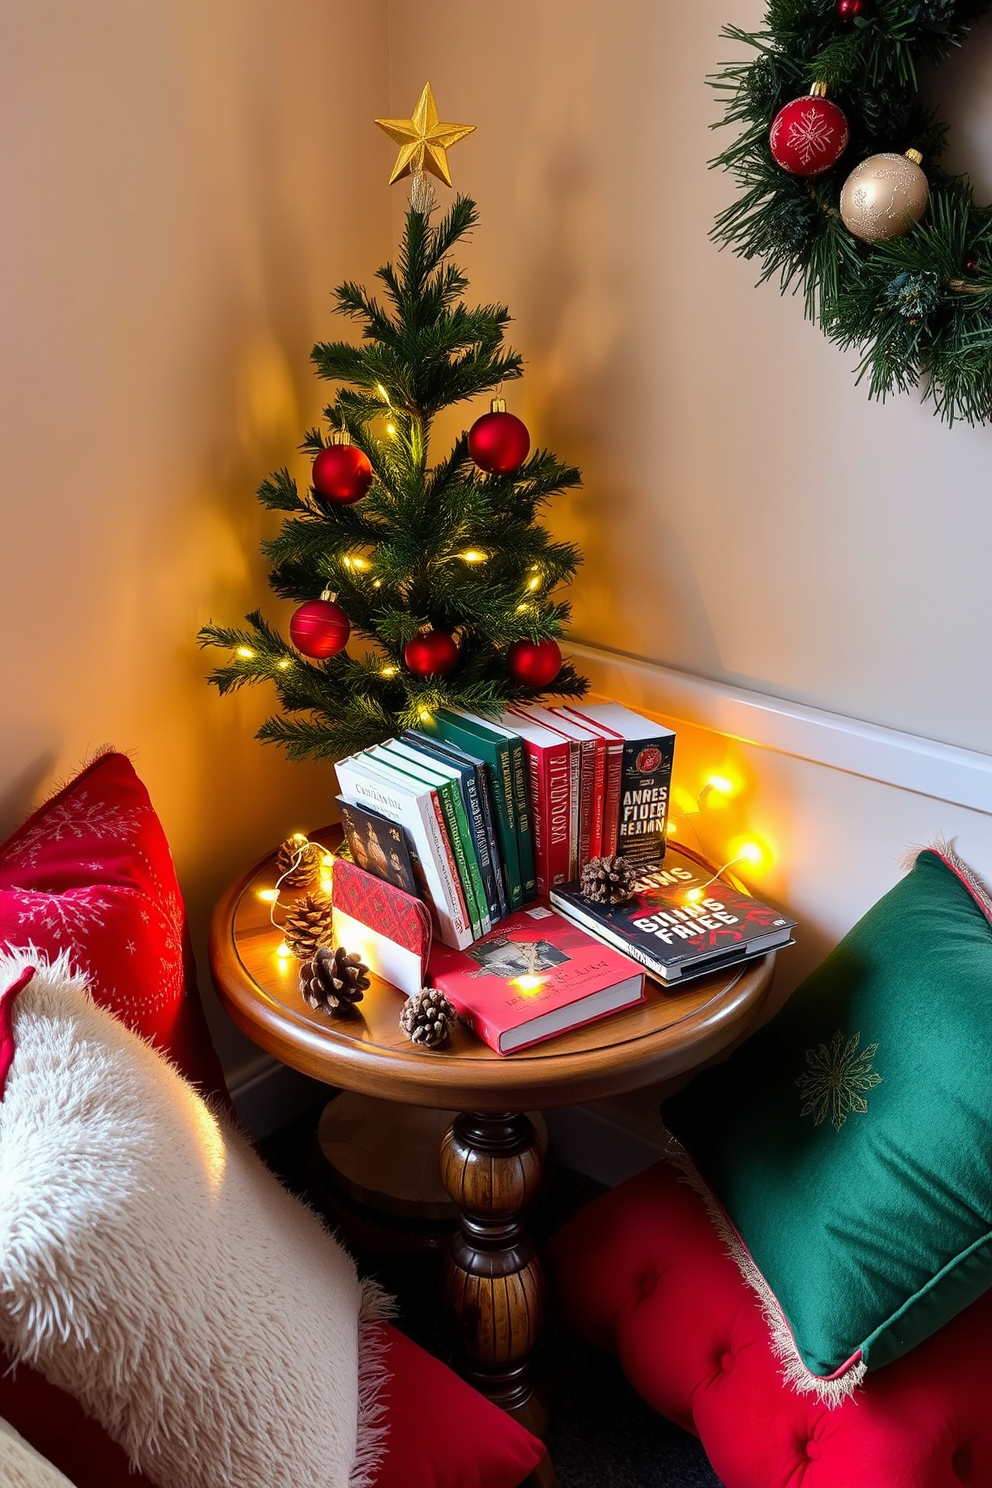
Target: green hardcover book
pixel 487 745
pixel 520 779
pixel 449 794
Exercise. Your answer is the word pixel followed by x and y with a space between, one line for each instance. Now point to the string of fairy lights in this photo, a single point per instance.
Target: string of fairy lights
pixel 745 849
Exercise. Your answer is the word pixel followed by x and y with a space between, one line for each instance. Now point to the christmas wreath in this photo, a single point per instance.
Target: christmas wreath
pixel 844 199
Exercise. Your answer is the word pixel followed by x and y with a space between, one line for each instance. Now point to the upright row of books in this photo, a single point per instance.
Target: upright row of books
pixel 495 813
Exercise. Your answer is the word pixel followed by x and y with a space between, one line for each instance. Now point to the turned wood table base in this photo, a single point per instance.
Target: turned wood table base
pixel 492 1166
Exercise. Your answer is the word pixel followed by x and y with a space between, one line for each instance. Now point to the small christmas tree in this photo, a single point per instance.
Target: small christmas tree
pixel 441 569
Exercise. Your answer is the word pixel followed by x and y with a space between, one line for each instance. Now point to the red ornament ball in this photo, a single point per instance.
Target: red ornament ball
pixel 320 628
pixel 848 10
pixel 342 474
pixel 534 663
pixel 498 442
pixel 808 136
pixel 970 265
pixel 433 654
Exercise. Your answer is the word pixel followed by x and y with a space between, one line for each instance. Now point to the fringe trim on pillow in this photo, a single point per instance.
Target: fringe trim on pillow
pixel 830 1392
pixel 944 848
pixel 373 1428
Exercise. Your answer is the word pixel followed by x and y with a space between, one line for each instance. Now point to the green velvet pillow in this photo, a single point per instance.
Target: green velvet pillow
pixel 849 1142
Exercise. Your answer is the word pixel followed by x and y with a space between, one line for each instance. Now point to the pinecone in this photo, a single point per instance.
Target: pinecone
pixel 298 862
pixel 608 880
pixel 308 925
pixel 333 981
pixel 427 1018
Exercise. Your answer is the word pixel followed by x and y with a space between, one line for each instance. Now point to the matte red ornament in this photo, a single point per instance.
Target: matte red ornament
pixel 849 9
pixel 498 441
pixel 809 135
pixel 320 628
pixel 433 654
pixel 342 474
pixel 534 663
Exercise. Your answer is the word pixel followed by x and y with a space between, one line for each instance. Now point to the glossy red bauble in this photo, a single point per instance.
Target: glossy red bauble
pixel 433 654
pixel 848 10
pixel 534 663
pixel 498 442
pixel 808 136
pixel 320 628
pixel 342 474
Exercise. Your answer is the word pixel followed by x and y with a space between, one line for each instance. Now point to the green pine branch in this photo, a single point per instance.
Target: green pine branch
pixel 432 545
pixel 930 329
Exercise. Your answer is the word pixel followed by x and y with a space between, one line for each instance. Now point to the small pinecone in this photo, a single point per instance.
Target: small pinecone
pixel 298 863
pixel 333 980
pixel 308 925
pixel 608 880
pixel 427 1018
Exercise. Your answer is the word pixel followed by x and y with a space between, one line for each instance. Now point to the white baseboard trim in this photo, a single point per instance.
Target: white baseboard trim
pixel 926 766
pixel 267 1094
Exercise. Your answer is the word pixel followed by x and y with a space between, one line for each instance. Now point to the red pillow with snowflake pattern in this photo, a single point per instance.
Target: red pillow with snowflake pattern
pixel 91 873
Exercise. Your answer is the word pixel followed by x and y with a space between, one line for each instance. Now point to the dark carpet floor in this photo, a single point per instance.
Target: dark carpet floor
pixel 600 1433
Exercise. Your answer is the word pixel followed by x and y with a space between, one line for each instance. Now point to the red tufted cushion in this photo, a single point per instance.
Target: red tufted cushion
pixel 444 1434
pixel 642 1272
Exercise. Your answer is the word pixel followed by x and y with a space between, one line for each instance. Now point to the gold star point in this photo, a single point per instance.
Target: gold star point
pixel 423 140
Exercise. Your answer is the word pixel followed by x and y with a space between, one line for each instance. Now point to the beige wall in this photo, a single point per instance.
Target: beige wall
pixel 747 515
pixel 183 183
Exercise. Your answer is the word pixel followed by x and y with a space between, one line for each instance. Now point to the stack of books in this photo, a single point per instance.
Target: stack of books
pixel 496 812
pixel 480 817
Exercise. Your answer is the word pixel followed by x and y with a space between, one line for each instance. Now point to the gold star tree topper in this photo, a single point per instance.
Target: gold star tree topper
pixel 423 140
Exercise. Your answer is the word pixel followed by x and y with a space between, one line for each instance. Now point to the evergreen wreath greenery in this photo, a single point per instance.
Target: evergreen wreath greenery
pixel 919 308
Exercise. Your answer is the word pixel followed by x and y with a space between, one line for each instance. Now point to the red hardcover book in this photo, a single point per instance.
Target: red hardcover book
pixel 551 794
pixel 613 747
pixel 583 769
pixel 594 742
pixel 535 975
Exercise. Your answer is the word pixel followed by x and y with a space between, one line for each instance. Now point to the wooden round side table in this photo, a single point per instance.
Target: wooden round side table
pixel 491 1162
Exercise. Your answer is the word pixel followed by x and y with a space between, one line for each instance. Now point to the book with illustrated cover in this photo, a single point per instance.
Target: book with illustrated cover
pixel 532 977
pixel 680 922
pixel 372 783
pixel 646 778
pixel 381 847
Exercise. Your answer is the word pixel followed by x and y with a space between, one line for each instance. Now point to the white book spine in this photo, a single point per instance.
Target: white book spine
pixel 364 784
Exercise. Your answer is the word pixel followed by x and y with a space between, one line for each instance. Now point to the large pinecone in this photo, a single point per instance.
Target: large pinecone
pixel 308 925
pixel 298 863
pixel 608 880
pixel 427 1018
pixel 333 980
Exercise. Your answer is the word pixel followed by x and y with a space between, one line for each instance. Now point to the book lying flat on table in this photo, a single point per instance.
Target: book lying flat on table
pixel 680 922
pixel 535 975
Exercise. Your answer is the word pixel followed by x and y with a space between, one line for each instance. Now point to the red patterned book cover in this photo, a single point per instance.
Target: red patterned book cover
pixel 391 930
pixel 535 975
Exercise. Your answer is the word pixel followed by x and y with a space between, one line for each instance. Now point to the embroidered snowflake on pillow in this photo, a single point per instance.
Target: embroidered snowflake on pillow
pixel 837 1080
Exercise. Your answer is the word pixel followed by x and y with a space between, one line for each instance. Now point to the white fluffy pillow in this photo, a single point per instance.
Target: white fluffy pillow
pixel 151 1265
pixel 22 1467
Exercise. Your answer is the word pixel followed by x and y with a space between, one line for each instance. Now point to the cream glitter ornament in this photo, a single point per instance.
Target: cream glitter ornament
pixel 884 197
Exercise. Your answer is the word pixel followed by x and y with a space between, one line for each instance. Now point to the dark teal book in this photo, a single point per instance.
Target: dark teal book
pixel 495 751
pixel 522 808
pixel 469 770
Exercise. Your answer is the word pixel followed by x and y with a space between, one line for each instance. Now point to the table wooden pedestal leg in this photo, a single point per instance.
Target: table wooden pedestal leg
pixel 492 1166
